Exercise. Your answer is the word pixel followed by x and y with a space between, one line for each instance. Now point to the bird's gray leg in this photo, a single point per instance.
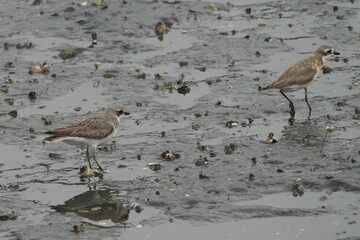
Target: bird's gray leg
pixel 291 105
pixel 307 102
pixel 88 157
pixel 101 169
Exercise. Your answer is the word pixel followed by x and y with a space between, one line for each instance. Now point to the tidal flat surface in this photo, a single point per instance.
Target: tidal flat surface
pixel 191 90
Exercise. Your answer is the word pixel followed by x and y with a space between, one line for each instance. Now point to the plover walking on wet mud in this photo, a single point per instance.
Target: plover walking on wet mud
pixel 90 131
pixel 301 74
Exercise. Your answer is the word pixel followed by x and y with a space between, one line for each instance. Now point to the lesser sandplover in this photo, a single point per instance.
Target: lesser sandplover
pixel 301 74
pixel 90 131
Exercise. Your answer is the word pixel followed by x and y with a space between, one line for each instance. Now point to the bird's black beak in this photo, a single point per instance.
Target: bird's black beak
pixel 126 113
pixel 336 53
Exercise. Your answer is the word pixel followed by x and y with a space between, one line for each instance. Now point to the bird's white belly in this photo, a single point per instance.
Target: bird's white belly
pixel 293 88
pixel 88 142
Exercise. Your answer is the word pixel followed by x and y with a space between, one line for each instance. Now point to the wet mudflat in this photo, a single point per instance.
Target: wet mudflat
pixel 203 104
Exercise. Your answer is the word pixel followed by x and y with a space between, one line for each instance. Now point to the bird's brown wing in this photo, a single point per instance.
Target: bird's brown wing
pixel 297 74
pixel 95 127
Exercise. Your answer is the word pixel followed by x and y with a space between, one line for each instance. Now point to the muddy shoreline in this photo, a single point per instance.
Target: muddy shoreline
pixel 217 53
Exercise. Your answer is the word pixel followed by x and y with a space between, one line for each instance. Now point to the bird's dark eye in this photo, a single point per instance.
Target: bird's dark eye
pixel 329 51
pixel 120 112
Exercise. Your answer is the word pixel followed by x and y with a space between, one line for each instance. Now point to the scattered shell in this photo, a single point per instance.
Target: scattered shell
pixel 159 29
pixel 108 75
pixel 68 53
pixel 4 89
pixel 46 122
pixel 89 173
pixel 32 95
pixel 183 90
pixel 96 2
pixel 356 116
pixel 9 101
pixel 294 134
pixel 229 149
pixel 37 2
pixel 270 139
pixel 340 17
pixel 165 85
pixel 203 176
pixel 141 76
pixel 251 177
pixel 154 166
pixel 202 147
pixel 168 22
pixel 202 162
pixel 8 215
pixel 330 128
pixel 247 123
pixel 326 70
pixel 159 77
pixel 9 80
pixel 13 113
pixel 136 206
pixel 183 63
pixel 336 59
pixel 231 124
pixel 298 190
pixel 168 155
pixel 355 83
pixel 211 6
pixel 97 65
pixel 201 69
pixel 40 68
pixel 93 38
pixel 18 102
pixel 9 65
pixel 24 45
pixel 69 9
pixel 55 156
pixel 77 109
pixel 79 228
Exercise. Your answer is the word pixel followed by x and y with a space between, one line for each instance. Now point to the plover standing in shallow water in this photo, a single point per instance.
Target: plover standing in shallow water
pixel 301 74
pixel 90 131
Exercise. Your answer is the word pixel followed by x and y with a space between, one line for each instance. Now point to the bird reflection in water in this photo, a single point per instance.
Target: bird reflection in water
pixel 96 205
